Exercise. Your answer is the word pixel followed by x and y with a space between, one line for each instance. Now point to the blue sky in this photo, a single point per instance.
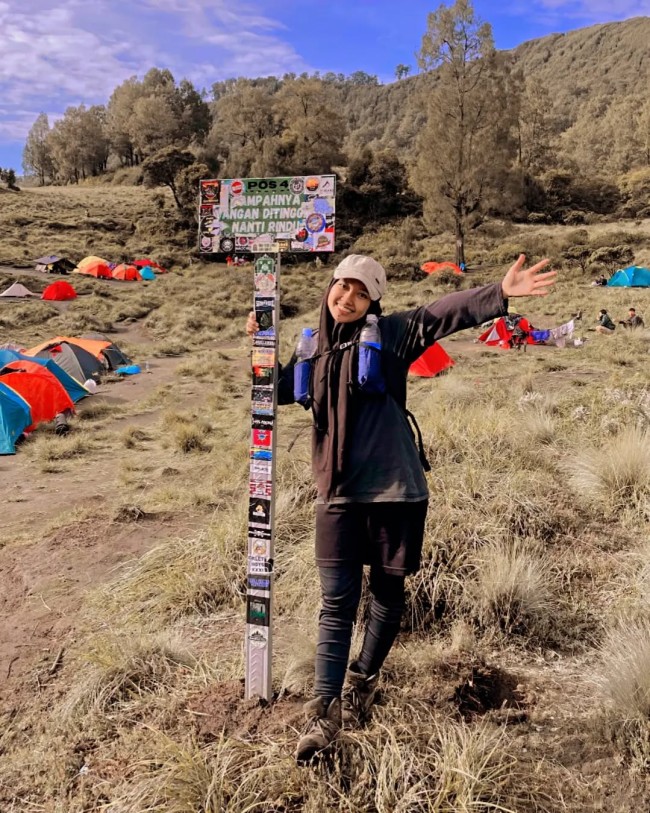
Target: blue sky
pixel 55 53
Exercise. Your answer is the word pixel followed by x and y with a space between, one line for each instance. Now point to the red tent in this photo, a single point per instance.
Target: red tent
pixel 432 267
pixel 146 261
pixel 499 334
pixel 59 291
pixel 126 272
pixel 432 362
pixel 43 392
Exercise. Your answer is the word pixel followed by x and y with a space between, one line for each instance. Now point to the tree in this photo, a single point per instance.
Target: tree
pixel 402 71
pixel 164 167
pixel 119 115
pixel 466 149
pixel 244 134
pixel 312 127
pixel 535 129
pixel 37 155
pixel 8 176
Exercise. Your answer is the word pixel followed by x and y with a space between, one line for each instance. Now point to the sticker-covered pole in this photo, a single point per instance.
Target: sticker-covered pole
pixel 264 399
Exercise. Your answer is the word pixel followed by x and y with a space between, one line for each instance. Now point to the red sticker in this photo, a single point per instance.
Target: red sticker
pixel 237 187
pixel 262 438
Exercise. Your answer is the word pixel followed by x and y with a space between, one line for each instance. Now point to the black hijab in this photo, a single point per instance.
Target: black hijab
pixel 333 388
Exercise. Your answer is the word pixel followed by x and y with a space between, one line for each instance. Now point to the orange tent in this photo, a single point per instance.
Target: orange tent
pixel 432 268
pixel 92 346
pixel 95 268
pixel 43 392
pixel 126 272
pixel 59 291
pixel 432 362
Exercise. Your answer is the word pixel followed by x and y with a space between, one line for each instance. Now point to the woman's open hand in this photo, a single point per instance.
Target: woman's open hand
pixel 520 281
pixel 252 325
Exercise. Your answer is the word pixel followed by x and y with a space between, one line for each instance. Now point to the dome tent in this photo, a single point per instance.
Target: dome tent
pixel 634 276
pixel 31 364
pixel 59 291
pixel 15 417
pixel 42 391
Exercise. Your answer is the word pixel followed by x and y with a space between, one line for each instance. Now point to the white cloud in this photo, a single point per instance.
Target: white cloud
pixel 55 53
pixel 595 11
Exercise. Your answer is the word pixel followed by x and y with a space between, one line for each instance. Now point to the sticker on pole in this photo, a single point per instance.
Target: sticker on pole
pixel 257 215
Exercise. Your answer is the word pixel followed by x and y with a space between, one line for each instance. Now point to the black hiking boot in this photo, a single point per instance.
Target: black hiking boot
pixel 323 726
pixel 359 693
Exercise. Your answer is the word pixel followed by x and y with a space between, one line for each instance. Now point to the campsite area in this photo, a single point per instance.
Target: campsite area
pixel 122 550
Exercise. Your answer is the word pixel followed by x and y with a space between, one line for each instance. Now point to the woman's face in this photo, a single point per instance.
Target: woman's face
pixel 348 300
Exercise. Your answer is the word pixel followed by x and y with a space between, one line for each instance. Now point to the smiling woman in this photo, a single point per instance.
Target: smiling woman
pixel 369 471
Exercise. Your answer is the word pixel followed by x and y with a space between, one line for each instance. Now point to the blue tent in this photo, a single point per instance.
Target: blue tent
pixel 147 272
pixel 75 390
pixel 15 417
pixel 634 276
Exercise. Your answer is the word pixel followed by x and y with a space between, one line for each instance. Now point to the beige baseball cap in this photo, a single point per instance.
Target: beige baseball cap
pixel 366 270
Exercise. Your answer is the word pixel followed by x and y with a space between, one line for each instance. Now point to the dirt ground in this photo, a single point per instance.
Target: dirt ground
pixel 60 539
pixel 77 545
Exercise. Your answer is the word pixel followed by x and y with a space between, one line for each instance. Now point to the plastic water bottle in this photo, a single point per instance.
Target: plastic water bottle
pixel 371 379
pixel 305 350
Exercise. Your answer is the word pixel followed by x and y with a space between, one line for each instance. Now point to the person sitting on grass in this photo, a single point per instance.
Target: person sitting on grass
pixel 632 321
pixel 605 324
pixel 369 472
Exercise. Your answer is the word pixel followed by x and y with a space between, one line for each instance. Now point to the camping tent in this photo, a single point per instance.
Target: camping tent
pixel 97 345
pixel 126 272
pixel 141 263
pixel 632 277
pixel 147 272
pixel 75 360
pixel 15 417
pixel 54 265
pixel 432 362
pixel 112 354
pixel 31 364
pixel 44 394
pixel 94 267
pixel 432 267
pixel 500 333
pixel 59 291
pixel 17 290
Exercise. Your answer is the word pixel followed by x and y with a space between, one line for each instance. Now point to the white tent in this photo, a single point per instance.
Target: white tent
pixel 17 290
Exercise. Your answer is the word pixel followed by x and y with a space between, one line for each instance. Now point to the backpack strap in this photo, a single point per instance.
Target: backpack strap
pixel 417 435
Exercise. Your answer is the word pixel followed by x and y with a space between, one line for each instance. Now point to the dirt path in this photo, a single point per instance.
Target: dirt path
pixel 45 573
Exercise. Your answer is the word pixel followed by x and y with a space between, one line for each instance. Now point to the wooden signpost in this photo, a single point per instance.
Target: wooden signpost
pixel 265 216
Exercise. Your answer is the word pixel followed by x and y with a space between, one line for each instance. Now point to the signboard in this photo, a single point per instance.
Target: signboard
pixel 258 215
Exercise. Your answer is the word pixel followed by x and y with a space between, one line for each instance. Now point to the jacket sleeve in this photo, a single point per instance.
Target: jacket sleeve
pixel 409 333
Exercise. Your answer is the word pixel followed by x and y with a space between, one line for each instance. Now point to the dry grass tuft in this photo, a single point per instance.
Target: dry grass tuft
pixel 124 669
pixel 512 590
pixel 616 475
pixel 624 679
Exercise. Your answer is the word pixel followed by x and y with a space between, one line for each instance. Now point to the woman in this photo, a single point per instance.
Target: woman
pixel 605 324
pixel 372 492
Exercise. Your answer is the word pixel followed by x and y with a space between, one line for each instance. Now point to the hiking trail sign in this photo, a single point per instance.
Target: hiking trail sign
pixel 261 215
pixel 265 216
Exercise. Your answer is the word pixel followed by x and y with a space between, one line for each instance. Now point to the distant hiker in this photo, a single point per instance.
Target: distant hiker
pixel 605 324
pixel 632 321
pixel 368 467
pixel 600 280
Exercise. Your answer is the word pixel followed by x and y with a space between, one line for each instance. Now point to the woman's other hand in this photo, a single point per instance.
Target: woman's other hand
pixel 520 281
pixel 252 325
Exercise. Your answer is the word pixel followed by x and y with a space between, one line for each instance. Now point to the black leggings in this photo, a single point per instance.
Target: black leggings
pixel 341 592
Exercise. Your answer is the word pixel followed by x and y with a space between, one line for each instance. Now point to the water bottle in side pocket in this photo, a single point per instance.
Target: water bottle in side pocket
pixel 305 350
pixel 371 378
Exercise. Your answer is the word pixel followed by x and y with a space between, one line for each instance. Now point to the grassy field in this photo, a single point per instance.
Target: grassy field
pixel 521 679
